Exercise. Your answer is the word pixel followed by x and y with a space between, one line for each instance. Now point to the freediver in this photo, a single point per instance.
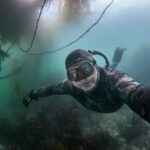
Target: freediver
pixel 101 89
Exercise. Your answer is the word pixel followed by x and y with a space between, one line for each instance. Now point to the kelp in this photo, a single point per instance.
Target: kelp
pixel 17 18
pixel 59 131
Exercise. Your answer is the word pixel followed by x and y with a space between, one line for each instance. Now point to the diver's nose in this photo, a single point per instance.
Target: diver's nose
pixel 80 75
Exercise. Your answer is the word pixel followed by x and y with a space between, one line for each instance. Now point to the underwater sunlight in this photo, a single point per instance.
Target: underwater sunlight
pixel 74 75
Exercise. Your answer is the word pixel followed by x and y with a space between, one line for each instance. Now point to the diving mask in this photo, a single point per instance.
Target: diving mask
pixel 80 71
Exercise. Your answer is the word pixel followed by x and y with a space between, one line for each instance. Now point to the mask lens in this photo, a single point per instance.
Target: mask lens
pixel 71 75
pixel 87 68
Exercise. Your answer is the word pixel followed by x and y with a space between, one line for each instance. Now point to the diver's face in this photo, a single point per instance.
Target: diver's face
pixel 83 75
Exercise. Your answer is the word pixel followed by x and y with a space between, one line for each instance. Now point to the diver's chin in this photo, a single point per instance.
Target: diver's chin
pixel 87 88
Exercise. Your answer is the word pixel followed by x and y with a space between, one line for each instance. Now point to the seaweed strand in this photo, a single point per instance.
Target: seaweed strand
pixel 18 69
pixel 35 31
pixel 77 39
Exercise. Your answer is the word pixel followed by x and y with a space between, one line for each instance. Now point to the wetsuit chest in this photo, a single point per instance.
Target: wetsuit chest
pixel 103 100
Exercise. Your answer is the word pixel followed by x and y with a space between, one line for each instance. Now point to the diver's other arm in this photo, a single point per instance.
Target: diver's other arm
pixel 61 88
pixel 135 95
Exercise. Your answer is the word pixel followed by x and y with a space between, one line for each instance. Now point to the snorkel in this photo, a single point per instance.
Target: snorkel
pixel 116 58
pixel 93 52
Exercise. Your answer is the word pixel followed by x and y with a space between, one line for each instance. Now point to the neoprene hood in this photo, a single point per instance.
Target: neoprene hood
pixel 77 56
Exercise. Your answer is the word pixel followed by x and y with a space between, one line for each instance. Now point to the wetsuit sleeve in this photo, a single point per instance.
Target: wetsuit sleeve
pixel 135 95
pixel 61 88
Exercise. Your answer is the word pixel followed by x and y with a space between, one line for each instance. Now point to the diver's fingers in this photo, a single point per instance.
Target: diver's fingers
pixel 26 100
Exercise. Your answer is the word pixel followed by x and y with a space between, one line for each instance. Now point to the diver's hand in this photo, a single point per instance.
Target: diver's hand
pixel 28 98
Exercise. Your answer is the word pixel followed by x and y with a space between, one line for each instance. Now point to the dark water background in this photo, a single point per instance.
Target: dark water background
pixel 59 122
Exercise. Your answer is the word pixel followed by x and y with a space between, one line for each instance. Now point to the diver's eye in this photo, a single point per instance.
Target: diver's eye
pixel 71 75
pixel 87 68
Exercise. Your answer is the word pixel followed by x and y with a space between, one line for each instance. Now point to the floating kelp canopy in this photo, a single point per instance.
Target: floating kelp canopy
pixel 23 17
pixel 18 17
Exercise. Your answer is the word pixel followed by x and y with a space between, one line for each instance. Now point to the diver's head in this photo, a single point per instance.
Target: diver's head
pixel 82 69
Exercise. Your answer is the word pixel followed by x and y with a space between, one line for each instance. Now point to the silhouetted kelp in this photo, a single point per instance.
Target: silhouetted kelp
pixel 73 10
pixel 17 88
pixel 139 63
pixel 18 17
pixel 59 131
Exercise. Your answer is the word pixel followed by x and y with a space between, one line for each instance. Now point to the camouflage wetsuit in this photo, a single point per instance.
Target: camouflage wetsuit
pixel 112 91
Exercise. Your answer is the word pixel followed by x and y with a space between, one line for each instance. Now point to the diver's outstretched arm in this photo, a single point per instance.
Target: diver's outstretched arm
pixel 135 95
pixel 61 88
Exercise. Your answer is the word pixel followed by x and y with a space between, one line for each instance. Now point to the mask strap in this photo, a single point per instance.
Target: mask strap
pixel 93 52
